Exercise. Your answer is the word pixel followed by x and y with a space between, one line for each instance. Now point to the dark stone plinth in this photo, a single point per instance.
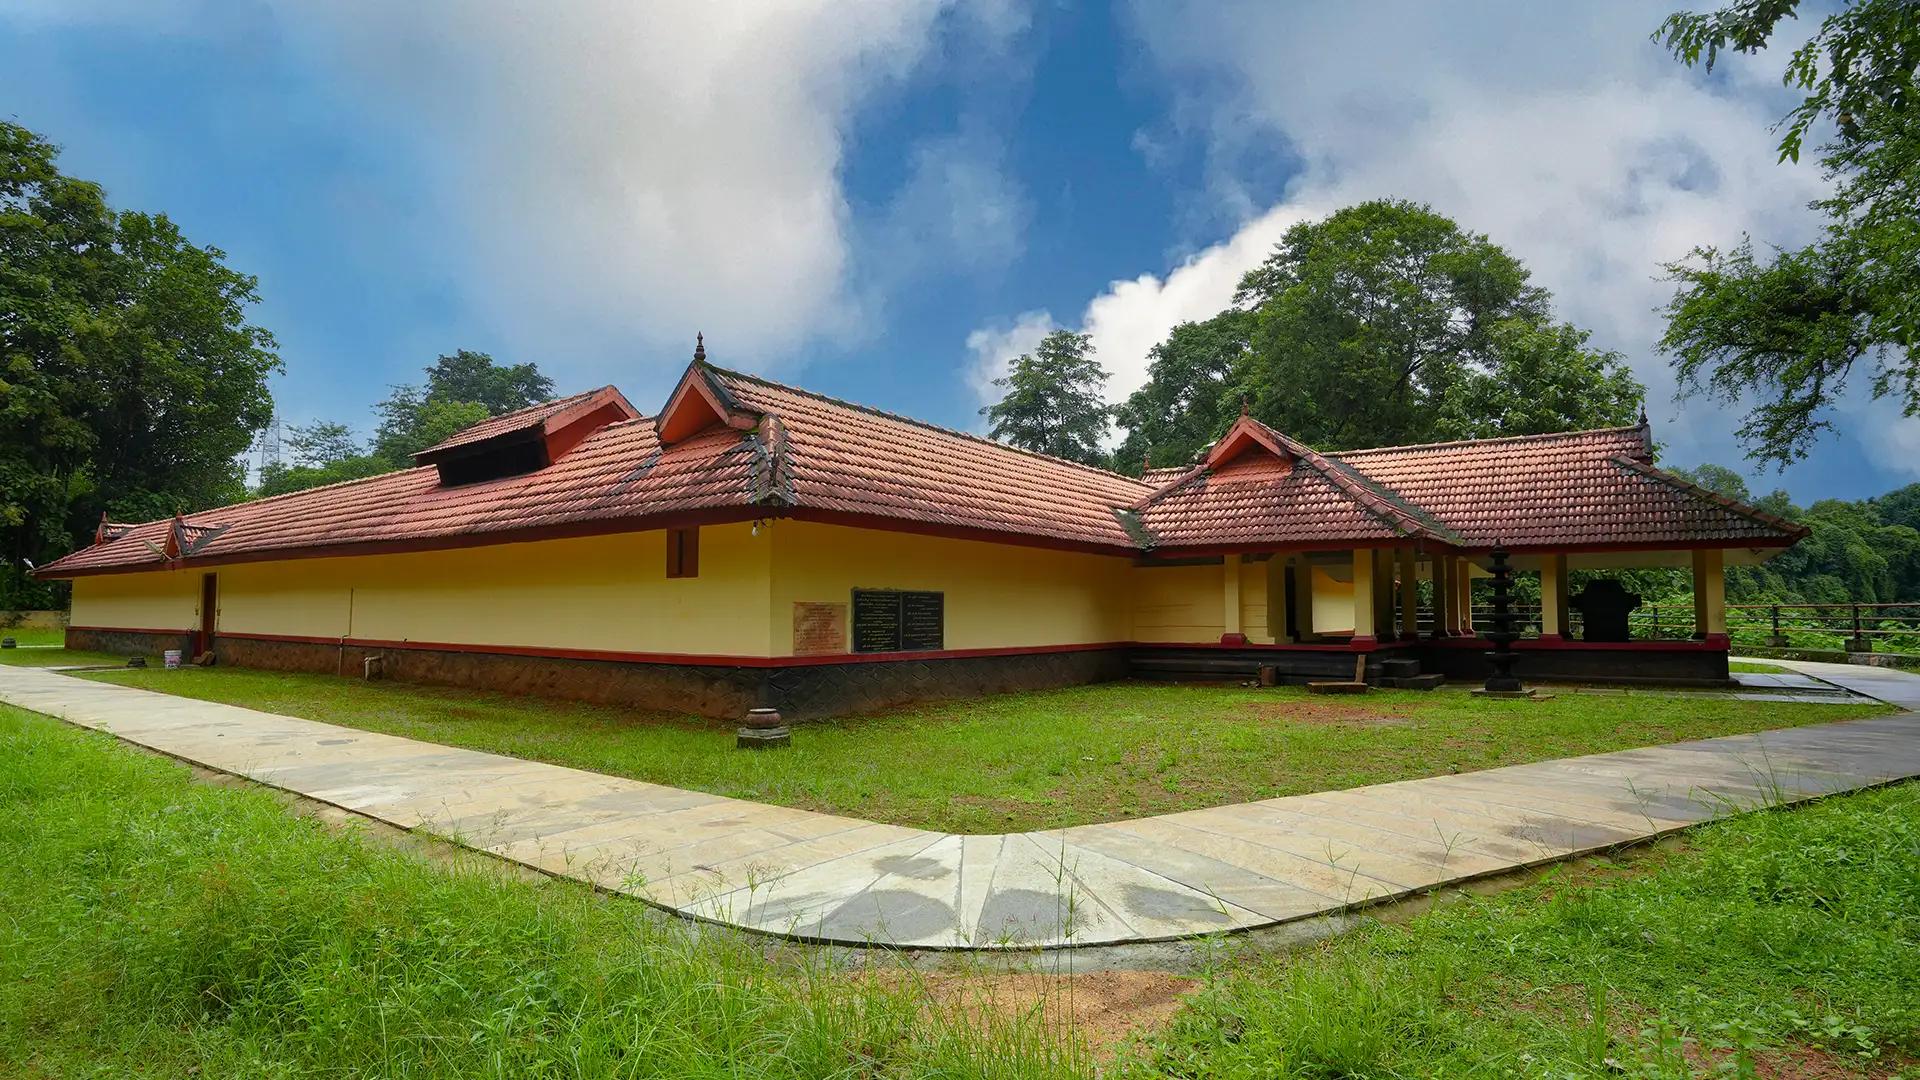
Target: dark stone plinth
pixel 1778 641
pixel 763 731
pixel 136 661
pixel 8 643
pixel 755 738
pixel 1859 644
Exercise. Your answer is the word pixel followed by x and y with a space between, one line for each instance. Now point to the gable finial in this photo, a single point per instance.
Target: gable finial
pixel 699 347
pixel 1243 404
pixel 1643 415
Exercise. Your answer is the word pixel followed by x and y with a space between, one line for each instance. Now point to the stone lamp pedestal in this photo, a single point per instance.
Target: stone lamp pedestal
pixel 763 731
pixel 1502 682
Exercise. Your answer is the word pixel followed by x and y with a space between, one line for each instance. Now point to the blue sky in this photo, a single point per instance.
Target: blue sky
pixel 885 200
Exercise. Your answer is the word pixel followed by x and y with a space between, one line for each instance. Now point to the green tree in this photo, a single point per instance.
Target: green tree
pixel 462 389
pixel 1184 405
pixel 1052 403
pixel 1383 323
pixel 474 376
pixel 321 443
pixel 130 380
pixel 1785 330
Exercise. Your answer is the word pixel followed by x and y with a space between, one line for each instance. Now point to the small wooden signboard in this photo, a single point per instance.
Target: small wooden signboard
pixel 819 629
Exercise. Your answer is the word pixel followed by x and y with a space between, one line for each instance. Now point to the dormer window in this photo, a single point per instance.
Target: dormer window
pixel 525 441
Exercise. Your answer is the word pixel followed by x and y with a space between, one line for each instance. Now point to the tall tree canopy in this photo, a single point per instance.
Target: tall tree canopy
pixel 1185 403
pixel 461 390
pixel 130 380
pixel 1784 330
pixel 1052 402
pixel 1384 323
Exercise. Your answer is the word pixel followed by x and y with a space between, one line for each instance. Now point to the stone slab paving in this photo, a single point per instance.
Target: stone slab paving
pixel 824 877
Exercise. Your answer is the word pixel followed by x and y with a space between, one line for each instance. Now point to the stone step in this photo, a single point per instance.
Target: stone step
pixel 1397 668
pixel 1415 682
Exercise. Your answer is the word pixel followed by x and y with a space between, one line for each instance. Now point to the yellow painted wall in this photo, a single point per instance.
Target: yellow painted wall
pixel 611 593
pixel 1179 603
pixel 997 595
pixel 1332 604
pixel 163 600
pixel 602 592
pixel 1253 600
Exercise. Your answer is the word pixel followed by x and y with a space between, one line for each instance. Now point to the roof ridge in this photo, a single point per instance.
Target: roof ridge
pixel 1659 475
pixel 916 422
pixel 1492 439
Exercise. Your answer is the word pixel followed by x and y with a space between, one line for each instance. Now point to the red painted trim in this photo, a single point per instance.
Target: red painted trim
pixel 1650 545
pixel 1544 645
pixel 951 532
pixel 1177 551
pixel 692 659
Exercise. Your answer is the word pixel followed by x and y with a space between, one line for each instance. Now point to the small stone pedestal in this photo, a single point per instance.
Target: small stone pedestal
pixel 8 643
pixel 762 731
pixel 1778 641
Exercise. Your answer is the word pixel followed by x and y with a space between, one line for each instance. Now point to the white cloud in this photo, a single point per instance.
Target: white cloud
pixel 994 348
pixel 1564 134
pixel 633 171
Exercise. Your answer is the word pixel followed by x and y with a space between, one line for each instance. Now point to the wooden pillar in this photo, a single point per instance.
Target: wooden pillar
pixel 1302 598
pixel 1383 594
pixel 1463 581
pixel 1409 597
pixel 1443 622
pixel 1553 597
pixel 1363 601
pixel 1709 594
pixel 1230 613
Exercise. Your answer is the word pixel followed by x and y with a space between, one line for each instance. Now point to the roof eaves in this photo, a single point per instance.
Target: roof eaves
pixel 1658 475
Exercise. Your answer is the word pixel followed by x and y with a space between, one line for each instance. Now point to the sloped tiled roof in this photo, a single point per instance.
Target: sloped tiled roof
pixel 519 420
pixel 791 452
pixel 851 459
pixel 1575 489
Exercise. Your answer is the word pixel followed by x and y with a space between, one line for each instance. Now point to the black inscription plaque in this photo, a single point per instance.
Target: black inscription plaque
pixel 890 620
pixel 923 621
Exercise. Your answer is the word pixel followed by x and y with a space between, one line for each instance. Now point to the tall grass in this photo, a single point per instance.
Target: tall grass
pixel 151 925
pixel 1774 939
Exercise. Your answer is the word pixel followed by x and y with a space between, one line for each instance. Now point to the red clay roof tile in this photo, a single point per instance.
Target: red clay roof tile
pixel 806 452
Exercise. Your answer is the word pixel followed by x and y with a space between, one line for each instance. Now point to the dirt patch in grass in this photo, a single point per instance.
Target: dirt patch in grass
pixel 1339 713
pixel 1102 1008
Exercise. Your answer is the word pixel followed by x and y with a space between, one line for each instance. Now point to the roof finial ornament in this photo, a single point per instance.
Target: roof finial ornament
pixel 1643 415
pixel 1243 404
pixel 699 347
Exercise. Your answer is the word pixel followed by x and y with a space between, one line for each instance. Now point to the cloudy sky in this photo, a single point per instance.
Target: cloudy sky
pixel 883 199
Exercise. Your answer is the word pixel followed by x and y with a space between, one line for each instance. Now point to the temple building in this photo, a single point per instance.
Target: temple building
pixel 753 544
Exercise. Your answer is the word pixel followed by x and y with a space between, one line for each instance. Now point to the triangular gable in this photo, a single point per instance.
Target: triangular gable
pixel 697 404
pixel 1248 434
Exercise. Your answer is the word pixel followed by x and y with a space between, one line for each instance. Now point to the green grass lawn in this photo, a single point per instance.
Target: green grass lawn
pixel 1779 944
pixel 1022 761
pixel 155 926
pixel 33 635
pixel 56 657
pixel 1754 667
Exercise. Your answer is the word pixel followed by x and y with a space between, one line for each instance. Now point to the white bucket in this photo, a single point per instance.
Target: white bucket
pixel 172 659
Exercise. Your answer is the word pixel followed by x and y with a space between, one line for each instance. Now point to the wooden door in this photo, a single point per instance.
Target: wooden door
pixel 209 609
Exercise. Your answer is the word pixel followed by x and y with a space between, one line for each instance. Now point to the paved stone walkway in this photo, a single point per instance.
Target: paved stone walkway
pixel 841 879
